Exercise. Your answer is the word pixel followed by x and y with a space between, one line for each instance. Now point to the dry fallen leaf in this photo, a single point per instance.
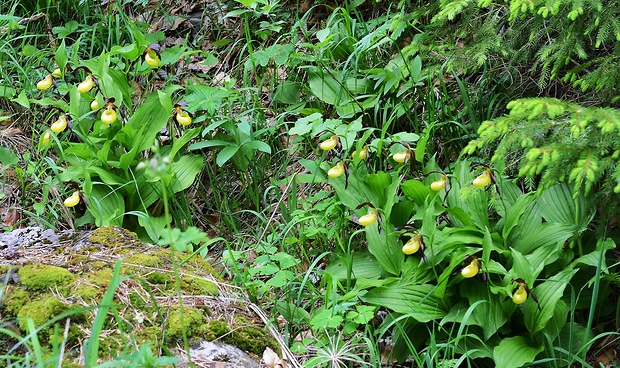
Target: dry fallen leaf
pixel 273 360
pixel 12 217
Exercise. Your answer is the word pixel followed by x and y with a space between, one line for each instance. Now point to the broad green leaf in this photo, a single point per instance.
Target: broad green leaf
pixel 61 56
pixel 543 235
pixel 304 125
pixel 152 224
pixel 378 183
pixel 288 92
pixel 418 301
pixel 143 127
pixel 416 68
pixel 557 321
pixel 401 212
pixel 326 88
pixel 364 265
pixel 285 260
pixel 326 319
pixel 292 313
pixel 7 92
pixel 205 98
pixel 226 154
pixel 357 191
pixel 210 143
pixel 548 293
pixel 487 245
pixel 521 267
pixel 7 157
pixel 592 259
pixel 258 145
pixel 165 101
pixel 247 3
pixel 384 247
pixel 106 205
pixel 559 204
pixel 544 256
pixel 21 99
pixel 129 52
pixel 48 102
pixel 185 169
pixel 489 315
pixel 106 176
pixel 514 352
pixel 574 339
pixel 184 139
pixel 513 215
pixel 510 194
pixel 417 191
pixel 281 279
pixel 147 189
pixel 478 208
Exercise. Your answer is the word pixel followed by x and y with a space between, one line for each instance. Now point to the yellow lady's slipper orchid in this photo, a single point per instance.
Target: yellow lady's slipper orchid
pixel 362 154
pixel 412 245
pixel 45 83
pixel 151 58
pixel 369 218
pixel 471 269
pixel 336 171
pixel 46 138
pixel 183 118
pixel 329 143
pixel 483 179
pixel 439 184
pixel 57 73
pixel 108 116
pixel 94 105
pixel 87 84
pixel 520 295
pixel 402 156
pixel 73 200
pixel 60 124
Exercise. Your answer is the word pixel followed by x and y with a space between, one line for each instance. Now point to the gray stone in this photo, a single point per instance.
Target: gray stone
pixel 210 354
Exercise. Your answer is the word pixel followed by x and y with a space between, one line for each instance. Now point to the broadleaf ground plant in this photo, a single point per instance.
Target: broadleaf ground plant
pixel 119 159
pixel 497 265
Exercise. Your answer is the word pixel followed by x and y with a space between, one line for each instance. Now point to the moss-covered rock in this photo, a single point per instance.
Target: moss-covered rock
pixel 40 311
pixel 101 277
pixel 113 237
pixel 88 292
pixel 15 299
pixel 158 278
pixel 251 339
pixel 214 330
pixel 41 277
pixel 189 319
pixel 82 274
pixel 198 286
pixel 143 259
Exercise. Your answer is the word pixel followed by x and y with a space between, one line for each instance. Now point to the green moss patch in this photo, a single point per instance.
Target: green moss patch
pixel 214 330
pixel 143 259
pixel 41 277
pixel 40 311
pixel 158 278
pixel 145 307
pixel 113 237
pixel 189 320
pixel 249 338
pixel 198 286
pixel 15 298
